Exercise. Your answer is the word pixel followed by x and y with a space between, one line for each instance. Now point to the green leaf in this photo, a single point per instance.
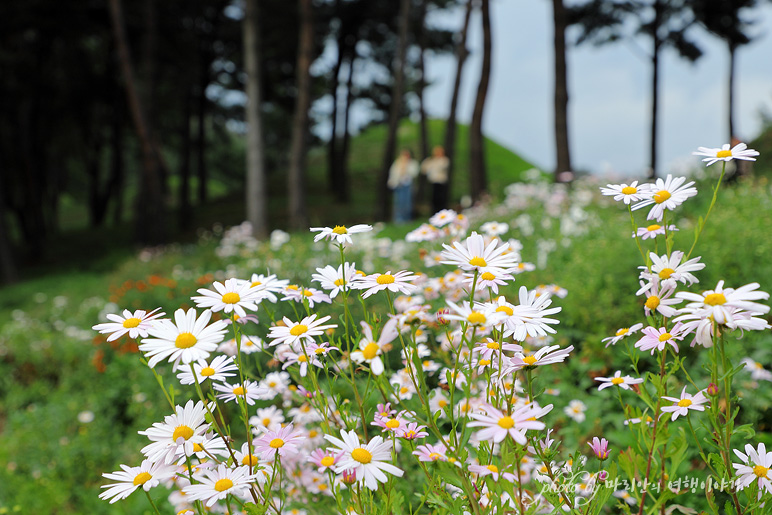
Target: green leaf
pixel 253 509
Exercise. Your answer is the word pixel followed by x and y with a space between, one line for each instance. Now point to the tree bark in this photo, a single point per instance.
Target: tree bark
pixel 256 196
pixel 185 211
pixel 478 181
pixel 150 202
pixel 332 146
pixel 450 126
pixel 298 148
pixel 422 82
pixel 342 168
pixel 8 271
pixel 562 149
pixel 730 114
pixel 383 193
pixel 658 7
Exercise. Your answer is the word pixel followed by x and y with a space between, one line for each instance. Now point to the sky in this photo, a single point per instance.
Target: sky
pixel 609 93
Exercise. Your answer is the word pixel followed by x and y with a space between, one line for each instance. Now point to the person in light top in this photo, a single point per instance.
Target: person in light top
pixel 436 167
pixel 401 175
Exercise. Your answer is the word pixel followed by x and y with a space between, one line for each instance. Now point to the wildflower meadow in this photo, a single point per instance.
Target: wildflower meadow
pixel 584 349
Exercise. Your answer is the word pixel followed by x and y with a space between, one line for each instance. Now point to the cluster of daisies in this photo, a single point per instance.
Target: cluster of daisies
pixel 678 316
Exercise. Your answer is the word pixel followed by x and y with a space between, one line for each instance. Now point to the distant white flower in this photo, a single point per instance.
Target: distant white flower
pixel 494 228
pixel 575 410
pixel 739 151
pixel 135 324
pixel 625 192
pixel 652 231
pixel 233 296
pixel 667 194
pixel 340 233
pixel 683 404
pixel 622 333
pixel 398 282
pixel 618 380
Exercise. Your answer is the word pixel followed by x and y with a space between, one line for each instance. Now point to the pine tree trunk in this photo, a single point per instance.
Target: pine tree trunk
pixel 732 53
pixel 450 126
pixel 383 193
pixel 562 149
pixel 256 196
pixel 478 181
pixel 298 148
pixel 185 212
pixel 342 162
pixel 655 88
pixel 332 150
pixel 150 207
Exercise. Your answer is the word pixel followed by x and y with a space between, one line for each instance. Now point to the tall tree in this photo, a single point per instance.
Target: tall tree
pixel 256 197
pixel 298 217
pixel 478 180
pixel 667 24
pixel 562 148
pixel 150 209
pixel 450 125
pixel 724 20
pixel 395 110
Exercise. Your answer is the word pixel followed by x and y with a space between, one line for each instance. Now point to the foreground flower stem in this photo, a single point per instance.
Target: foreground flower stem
pixel 712 203
pixel 152 503
pixel 654 430
pixel 635 232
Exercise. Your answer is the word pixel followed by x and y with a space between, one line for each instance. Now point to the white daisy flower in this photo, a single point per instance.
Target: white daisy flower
pixel 370 350
pixel 683 404
pixel 756 466
pixel 497 425
pixel 622 332
pixel 135 324
pixel 544 356
pixel 494 228
pixel 336 279
pixel 310 295
pixel 268 285
pixel 399 282
pixel 757 370
pixel 270 418
pixel 340 233
pixel 659 298
pixel 232 297
pixel 217 484
pixel 292 332
pixel 276 383
pixel 479 315
pixel 716 302
pixel 652 231
pixel 186 339
pixel 473 255
pixel 625 192
pixel 669 269
pixel 177 434
pixel 443 217
pixel 575 410
pixel 148 475
pixel 491 278
pixel 530 317
pixel 250 391
pixel 667 194
pixel 658 339
pixel 739 151
pixel 618 380
pixel 221 368
pixel 367 461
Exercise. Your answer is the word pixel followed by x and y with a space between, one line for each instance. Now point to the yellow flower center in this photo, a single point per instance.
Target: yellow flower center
pixel 392 423
pixel 505 309
pixel 182 431
pixel 276 443
pixel 684 403
pixel 142 477
pixel 724 153
pixel 484 362
pixel 308 293
pixel 493 468
pixel 493 345
pixel 131 323
pixel 239 390
pixel 661 196
pixel 385 279
pixel 298 330
pixel 629 190
pixel 506 422
pixel 185 341
pixel 318 351
pixel 623 331
pixel 339 282
pixel 434 456
pixel 665 273
pixel 370 350
pixel 362 455
pixel 231 298
pixel 340 229
pixel 759 470
pixel 652 302
pixel 715 299
pixel 654 227
pixel 477 261
pixel 302 358
pixel 266 421
pixel 256 283
pixel 312 433
pixel 530 360
pixel 197 447
pixel 328 461
pixel 223 484
pixel 665 337
pixel 442 403
pixel 249 460
pixel 487 276
pixel 475 317
pixel 207 371
pixel 617 380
